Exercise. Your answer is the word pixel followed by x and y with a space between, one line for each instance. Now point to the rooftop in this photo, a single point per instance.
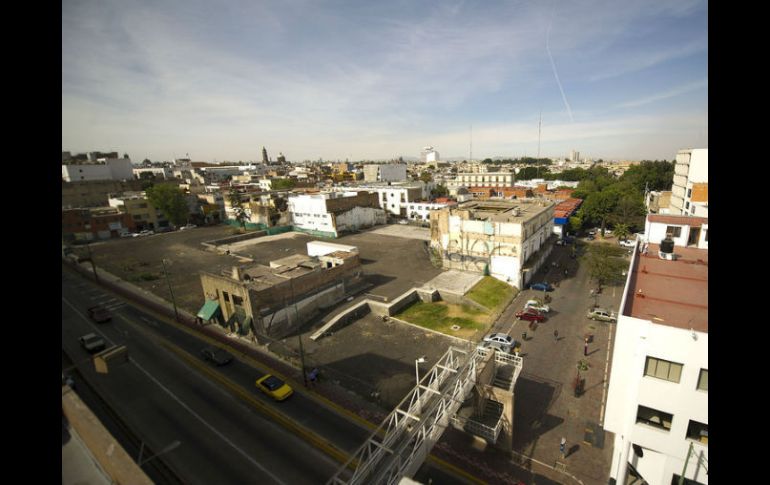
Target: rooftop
pixel 504 210
pixel 673 293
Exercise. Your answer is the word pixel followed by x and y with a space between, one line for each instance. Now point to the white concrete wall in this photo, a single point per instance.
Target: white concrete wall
pixel 420 211
pixel 309 212
pixel 360 217
pixel 507 269
pixel 392 173
pixel 699 166
pixel 656 232
pixel 635 340
pixel 78 173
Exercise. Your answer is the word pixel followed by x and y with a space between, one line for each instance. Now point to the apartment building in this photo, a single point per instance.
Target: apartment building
pixel 689 192
pixel 504 238
pixel 657 401
pixel 143 214
pixel 420 211
pixel 486 179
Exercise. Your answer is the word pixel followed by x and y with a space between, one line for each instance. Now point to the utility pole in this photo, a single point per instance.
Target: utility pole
pixel 299 333
pixel 173 300
pixel 90 258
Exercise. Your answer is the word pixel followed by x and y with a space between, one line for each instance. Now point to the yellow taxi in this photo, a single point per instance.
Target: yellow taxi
pixel 274 387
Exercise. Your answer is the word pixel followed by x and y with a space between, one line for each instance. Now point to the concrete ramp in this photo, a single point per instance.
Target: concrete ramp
pixel 453 281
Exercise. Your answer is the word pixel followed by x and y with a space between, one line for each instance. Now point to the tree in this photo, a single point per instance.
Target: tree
pixel 629 210
pixel 146 162
pixel 621 231
pixel 282 184
pixel 598 206
pixel 426 177
pixel 605 264
pixel 235 202
pixel 170 200
pixel 439 191
pixel 529 173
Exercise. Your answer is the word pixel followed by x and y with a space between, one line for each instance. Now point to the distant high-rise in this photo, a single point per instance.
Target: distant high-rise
pixel 264 156
pixel 574 156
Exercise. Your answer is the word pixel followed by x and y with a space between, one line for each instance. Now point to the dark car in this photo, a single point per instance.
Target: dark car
pixel 92 343
pixel 530 314
pixel 541 287
pixel 99 314
pixel 216 355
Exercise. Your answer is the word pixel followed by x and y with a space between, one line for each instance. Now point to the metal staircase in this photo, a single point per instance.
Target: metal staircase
pixel 403 440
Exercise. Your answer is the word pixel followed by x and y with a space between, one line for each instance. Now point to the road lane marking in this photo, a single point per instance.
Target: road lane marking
pixel 179 401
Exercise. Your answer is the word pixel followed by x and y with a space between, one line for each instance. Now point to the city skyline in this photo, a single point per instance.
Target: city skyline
pixel 376 81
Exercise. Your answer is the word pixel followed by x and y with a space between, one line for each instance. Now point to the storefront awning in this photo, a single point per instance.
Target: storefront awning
pixel 209 310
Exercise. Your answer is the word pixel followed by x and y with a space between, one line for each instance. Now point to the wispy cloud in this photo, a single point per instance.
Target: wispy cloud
pixel 370 80
pixel 677 91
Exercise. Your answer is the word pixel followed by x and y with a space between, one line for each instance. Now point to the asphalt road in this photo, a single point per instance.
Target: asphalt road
pixel 164 398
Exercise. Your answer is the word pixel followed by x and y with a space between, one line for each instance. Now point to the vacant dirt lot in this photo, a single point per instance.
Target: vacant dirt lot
pixel 391 264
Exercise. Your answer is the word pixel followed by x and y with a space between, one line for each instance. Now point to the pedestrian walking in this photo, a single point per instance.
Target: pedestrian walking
pixel 585 348
pixel 555 335
pixel 313 375
pixel 563 447
pixel 524 336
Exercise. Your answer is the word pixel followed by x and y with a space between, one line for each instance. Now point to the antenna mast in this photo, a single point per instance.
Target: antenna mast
pixel 538 133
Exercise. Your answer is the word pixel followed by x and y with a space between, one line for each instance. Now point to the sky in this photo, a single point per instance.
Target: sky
pixel 375 80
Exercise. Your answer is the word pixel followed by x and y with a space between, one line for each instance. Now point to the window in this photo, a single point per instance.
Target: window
pixel 653 417
pixel 686 205
pixel 663 369
pixel 707 236
pixel 703 380
pixel 689 193
pixel 675 231
pixel 226 295
pixel 698 432
pixel 237 300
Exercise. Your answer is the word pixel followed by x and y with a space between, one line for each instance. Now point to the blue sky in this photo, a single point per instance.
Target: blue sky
pixel 375 80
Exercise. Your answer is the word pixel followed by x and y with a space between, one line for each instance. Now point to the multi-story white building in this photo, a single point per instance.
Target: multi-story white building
pixel 104 169
pixel 395 197
pixel 689 192
pixel 506 238
pixel 429 156
pixel 391 172
pixel 331 213
pixel 657 401
pixel 488 179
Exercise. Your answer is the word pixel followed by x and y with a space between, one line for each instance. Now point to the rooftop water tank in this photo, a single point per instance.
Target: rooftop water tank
pixel 667 248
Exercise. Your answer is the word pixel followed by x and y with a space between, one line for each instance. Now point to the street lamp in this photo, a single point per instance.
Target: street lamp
pixel 172 446
pixel 417 368
pixel 173 300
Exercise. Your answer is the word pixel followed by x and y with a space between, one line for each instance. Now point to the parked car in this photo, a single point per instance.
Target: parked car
pixel 147 232
pixel 499 338
pixel 505 348
pixel 164 229
pixel 592 232
pixel 274 387
pixel 92 343
pixel 541 286
pixel 626 243
pixel 99 314
pixel 403 222
pixel 186 227
pixel 537 305
pixel 127 234
pixel 530 314
pixel 601 314
pixel 216 355
pixel 590 237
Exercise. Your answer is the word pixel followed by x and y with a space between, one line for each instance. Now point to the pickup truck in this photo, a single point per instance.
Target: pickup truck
pixel 92 343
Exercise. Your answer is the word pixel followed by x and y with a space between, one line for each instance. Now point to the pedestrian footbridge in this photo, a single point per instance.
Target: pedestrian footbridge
pixel 472 390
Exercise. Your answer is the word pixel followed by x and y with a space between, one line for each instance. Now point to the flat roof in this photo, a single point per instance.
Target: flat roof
pixel 503 210
pixel 674 219
pixel 673 293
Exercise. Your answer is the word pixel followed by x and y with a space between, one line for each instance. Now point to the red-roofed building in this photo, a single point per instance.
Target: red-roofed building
pixel 561 214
